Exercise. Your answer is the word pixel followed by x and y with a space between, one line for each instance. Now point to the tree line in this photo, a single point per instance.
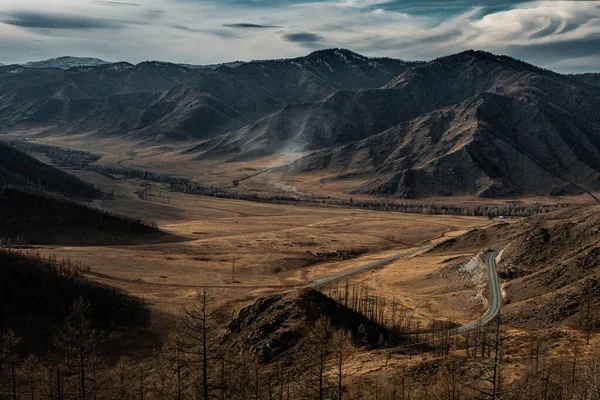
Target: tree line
pixel 195 362
pixel 17 168
pixel 39 215
pixel 43 288
pixel 85 160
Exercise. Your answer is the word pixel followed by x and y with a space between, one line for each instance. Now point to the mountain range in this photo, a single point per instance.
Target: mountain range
pixel 470 123
pixel 68 62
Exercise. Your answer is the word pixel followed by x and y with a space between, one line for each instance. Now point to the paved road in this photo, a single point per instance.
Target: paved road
pixel 494 298
pixel 362 268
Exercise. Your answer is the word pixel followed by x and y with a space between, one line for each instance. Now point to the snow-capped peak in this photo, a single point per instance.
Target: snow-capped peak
pixel 67 62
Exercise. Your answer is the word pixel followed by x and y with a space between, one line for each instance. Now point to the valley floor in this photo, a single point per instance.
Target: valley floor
pixel 246 250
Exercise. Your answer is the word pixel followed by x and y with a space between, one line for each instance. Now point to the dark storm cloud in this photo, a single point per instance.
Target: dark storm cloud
pixel 303 37
pixel 42 20
pixel 245 25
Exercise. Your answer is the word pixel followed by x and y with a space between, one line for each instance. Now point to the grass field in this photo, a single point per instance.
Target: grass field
pixel 246 250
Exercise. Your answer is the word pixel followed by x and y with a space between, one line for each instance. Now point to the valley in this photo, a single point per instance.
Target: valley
pixel 247 248
pixel 331 224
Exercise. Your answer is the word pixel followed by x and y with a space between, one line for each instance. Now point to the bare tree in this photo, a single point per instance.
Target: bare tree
pixel 124 378
pixel 199 339
pixel 343 349
pixel 8 357
pixel 173 368
pixel 30 372
pixel 77 345
pixel 318 352
pixel 490 380
pixel 451 383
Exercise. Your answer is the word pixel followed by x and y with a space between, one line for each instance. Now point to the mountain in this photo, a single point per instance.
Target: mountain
pixel 589 78
pixel 66 62
pixel 351 115
pixel 18 169
pixel 229 98
pixel 185 103
pixel 472 123
pixel 232 64
pixel 490 145
pixel 500 128
pixel 550 264
pixel 99 97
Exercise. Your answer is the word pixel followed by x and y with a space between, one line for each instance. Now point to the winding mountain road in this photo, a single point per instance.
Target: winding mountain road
pixel 495 298
pixel 362 268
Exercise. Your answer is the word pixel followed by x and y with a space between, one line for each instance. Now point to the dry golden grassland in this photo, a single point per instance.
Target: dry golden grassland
pixel 246 248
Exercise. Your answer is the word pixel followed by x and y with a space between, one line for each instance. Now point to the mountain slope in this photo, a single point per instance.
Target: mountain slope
pixel 550 265
pixel 66 98
pixel 229 98
pixel 347 116
pixel 197 103
pixel 19 169
pixel 31 217
pixel 490 145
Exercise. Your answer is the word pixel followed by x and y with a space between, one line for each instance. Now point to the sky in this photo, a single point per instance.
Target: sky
pixel 559 35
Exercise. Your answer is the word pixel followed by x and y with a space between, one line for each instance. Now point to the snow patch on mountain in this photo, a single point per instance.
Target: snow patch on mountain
pixel 67 62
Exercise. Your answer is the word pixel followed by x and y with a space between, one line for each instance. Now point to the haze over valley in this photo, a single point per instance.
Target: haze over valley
pixel 403 221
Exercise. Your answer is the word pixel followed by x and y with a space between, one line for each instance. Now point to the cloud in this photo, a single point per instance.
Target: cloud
pixel 363 3
pixel 222 33
pixel 185 28
pixel 42 20
pixel 117 3
pixel 245 25
pixel 154 13
pixel 555 34
pixel 303 37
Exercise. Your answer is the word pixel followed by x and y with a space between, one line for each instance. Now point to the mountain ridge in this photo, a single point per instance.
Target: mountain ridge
pixel 458 116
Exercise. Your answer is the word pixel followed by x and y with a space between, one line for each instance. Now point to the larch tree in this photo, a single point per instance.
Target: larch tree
pixel 77 345
pixel 9 359
pixel 343 348
pixel 199 340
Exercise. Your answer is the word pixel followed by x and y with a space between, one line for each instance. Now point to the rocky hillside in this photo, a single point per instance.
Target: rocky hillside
pixel 518 130
pixel 550 265
pixel 157 99
pixel 490 145
pixel 273 327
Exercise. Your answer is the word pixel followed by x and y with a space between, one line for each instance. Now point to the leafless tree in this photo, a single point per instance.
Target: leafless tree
pixel 77 345
pixel 9 358
pixel 199 340
pixel 318 358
